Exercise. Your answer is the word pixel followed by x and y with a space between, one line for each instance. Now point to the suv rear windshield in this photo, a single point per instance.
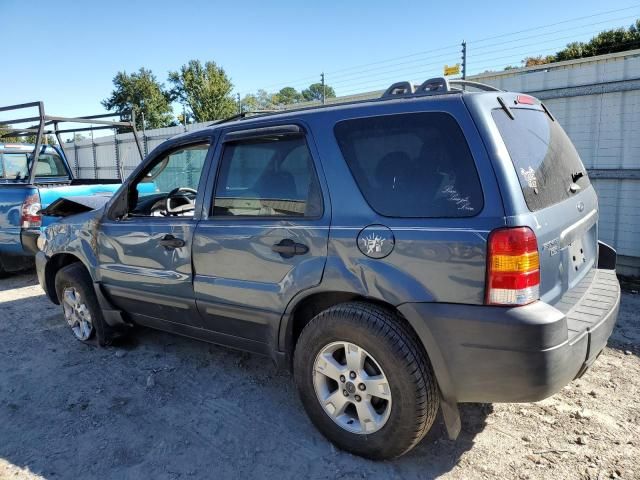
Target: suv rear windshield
pixel 412 165
pixel 544 158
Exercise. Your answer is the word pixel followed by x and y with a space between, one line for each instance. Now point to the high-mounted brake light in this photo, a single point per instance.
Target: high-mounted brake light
pixel 31 217
pixel 525 100
pixel 513 267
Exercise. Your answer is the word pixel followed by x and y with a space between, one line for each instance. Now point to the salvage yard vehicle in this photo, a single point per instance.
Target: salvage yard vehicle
pixel 435 246
pixel 34 175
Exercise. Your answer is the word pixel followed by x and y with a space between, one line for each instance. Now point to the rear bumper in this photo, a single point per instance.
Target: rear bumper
pixel 41 265
pixel 29 239
pixel 523 354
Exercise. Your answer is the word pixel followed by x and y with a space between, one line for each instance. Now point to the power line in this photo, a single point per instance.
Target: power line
pixel 444 56
pixel 564 30
pixel 409 69
pixel 554 24
pixel 349 74
pixel 453 51
pixel 496 67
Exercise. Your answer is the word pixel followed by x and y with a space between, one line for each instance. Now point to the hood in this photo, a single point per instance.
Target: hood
pixel 63 207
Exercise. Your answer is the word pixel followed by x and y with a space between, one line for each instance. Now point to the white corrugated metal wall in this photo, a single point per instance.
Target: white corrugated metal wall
pixel 597 100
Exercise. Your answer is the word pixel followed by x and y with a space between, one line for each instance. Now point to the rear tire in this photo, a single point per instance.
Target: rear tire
pixel 3 272
pixel 405 410
pixel 81 310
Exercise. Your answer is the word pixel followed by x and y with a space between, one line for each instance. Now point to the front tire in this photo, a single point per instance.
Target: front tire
pixel 365 381
pixel 74 289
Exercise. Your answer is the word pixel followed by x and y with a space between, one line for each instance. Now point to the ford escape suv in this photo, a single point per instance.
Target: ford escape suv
pixel 435 246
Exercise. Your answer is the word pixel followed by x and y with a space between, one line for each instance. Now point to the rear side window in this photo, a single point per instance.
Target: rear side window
pixel 271 177
pixel 544 158
pixel 412 165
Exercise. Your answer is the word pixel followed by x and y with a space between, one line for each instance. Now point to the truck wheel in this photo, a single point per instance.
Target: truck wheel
pixel 365 381
pixel 3 272
pixel 74 289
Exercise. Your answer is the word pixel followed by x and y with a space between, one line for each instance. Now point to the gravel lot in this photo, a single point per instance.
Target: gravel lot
pixel 162 406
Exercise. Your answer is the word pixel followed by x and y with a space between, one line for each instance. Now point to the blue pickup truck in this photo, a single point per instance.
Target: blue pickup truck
pixel 34 175
pixel 21 201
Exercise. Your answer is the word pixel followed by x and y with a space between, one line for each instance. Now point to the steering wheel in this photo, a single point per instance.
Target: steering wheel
pixel 190 205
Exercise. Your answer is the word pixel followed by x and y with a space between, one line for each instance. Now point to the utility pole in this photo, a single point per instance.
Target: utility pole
pixel 144 135
pixel 184 117
pixel 464 60
pixel 324 88
pixel 239 103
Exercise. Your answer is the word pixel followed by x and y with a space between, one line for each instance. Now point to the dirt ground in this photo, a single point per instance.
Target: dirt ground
pixel 162 406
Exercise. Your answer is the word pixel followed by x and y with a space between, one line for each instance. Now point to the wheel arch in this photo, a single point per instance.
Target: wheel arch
pixel 300 313
pixel 56 263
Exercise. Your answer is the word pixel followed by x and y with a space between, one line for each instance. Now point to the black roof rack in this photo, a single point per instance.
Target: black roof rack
pixel 433 86
pixel 48 124
pixel 242 115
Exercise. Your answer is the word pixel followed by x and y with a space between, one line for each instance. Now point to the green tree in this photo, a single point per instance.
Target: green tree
pixel 316 90
pixel 539 60
pixel 261 100
pixel 205 90
pixel 608 41
pixel 10 138
pixel 287 96
pixel 142 93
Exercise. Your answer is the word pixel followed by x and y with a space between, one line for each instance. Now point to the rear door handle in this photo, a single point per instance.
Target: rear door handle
pixel 287 248
pixel 169 241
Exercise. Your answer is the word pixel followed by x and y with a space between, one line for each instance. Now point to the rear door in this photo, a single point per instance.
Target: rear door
pixel 265 237
pixel 557 192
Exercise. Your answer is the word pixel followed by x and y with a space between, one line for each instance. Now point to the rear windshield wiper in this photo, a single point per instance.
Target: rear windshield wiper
pixel 575 176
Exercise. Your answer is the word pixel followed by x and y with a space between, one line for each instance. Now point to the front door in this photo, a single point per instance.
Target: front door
pixel 265 238
pixel 145 257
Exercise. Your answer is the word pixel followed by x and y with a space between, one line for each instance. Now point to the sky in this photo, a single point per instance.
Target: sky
pixel 66 53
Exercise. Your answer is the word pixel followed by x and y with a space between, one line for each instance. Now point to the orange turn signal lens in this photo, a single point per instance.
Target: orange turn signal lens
pixel 526 262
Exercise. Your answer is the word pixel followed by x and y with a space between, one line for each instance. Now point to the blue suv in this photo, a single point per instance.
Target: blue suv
pixel 435 246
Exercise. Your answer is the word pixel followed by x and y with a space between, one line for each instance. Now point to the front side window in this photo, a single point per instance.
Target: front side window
pixel 170 186
pixel 268 177
pixel 412 165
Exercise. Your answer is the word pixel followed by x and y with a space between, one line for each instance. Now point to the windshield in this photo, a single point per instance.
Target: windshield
pixel 545 160
pixel 14 165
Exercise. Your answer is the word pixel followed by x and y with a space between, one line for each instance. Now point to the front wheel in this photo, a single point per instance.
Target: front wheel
pixel 365 380
pixel 74 289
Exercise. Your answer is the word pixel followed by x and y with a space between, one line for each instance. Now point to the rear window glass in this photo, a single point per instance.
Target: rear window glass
pixel 14 165
pixel 412 165
pixel 544 158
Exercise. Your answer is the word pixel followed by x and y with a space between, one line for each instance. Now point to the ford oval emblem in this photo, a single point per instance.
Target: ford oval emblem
pixel 580 207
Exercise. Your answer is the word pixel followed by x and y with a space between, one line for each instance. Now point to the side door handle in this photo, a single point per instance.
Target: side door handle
pixel 169 241
pixel 287 248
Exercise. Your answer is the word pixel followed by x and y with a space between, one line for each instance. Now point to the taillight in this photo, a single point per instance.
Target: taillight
pixel 513 267
pixel 30 208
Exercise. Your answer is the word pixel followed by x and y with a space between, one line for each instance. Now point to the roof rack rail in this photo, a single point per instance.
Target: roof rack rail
pixel 433 86
pixel 242 115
